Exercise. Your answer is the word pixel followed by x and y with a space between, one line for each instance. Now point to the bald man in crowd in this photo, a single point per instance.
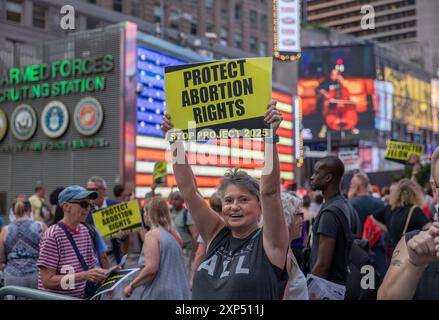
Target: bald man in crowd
pixel 365 205
pixel 328 250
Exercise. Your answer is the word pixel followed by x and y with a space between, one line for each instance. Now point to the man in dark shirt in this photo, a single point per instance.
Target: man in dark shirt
pixel 329 244
pixel 360 198
pixel 365 205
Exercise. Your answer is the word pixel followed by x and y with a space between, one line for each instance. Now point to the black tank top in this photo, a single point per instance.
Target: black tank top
pixel 238 269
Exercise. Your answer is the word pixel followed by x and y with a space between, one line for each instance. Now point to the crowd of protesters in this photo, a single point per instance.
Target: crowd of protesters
pixel 255 239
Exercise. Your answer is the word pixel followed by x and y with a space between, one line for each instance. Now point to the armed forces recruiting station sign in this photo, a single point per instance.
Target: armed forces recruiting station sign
pixel 24 122
pixel 3 124
pixel 221 99
pixel 124 216
pixel 401 151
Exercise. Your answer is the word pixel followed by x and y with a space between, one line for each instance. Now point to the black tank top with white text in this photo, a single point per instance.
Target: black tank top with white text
pixel 238 269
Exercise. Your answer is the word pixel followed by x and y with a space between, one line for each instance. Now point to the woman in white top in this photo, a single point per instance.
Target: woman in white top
pixel 296 288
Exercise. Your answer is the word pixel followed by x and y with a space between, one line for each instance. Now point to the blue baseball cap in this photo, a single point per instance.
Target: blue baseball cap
pixel 75 193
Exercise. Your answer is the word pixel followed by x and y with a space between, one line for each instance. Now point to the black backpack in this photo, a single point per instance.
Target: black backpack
pixel 358 254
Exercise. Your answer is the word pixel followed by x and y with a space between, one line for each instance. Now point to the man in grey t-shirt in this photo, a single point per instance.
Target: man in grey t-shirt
pixel 328 250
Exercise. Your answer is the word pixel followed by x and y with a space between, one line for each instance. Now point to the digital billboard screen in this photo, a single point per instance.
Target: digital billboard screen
pixel 344 107
pixel 357 61
pixel 412 102
pixel 337 92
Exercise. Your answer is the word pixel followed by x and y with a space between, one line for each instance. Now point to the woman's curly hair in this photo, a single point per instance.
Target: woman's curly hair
pixel 407 193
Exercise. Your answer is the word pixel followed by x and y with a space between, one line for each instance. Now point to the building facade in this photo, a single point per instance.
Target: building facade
pixel 212 28
pixel 121 150
pixel 242 25
pixel 408 25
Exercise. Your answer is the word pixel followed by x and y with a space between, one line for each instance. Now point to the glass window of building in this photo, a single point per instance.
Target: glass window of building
pixel 209 3
pixel 174 18
pixel 264 22
pixel 224 14
pixel 224 34
pixel 39 16
pixel 263 48
pixel 194 29
pixel 238 8
pixel 253 18
pixel 253 44
pixel 157 14
pixel 135 8
pixel 210 27
pixel 238 40
pixel 14 9
pixel 117 5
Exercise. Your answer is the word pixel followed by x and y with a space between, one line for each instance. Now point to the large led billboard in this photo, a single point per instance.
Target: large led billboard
pixel 384 99
pixel 354 61
pixel 338 93
pixel 411 100
pixel 344 107
pixel 209 160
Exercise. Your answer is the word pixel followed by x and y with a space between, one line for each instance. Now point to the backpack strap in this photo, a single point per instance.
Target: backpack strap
pixel 342 219
pixel 408 219
pixel 94 237
pixel 185 213
pixel 72 241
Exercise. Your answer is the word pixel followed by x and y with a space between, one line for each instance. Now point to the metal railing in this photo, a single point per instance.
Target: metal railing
pixel 33 294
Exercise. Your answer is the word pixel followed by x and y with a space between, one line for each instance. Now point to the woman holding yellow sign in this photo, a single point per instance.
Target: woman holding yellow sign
pixel 242 261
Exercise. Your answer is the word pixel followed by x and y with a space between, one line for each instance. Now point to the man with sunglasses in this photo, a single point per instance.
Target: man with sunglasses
pixel 99 185
pixel 67 248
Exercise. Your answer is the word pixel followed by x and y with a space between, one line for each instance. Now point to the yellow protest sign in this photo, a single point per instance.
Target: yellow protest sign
pixel 159 173
pixel 220 99
pixel 125 216
pixel 401 151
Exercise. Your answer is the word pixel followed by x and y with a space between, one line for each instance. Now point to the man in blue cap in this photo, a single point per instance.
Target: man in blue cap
pixel 67 259
pixel 99 185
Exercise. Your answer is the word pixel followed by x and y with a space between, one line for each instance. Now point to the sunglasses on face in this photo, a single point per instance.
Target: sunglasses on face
pixel 93 189
pixel 83 204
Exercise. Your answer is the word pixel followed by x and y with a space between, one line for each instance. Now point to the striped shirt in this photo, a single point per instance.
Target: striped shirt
pixel 57 253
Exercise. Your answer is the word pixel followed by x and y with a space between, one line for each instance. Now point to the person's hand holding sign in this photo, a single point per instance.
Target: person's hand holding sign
pixel 121 235
pixel 166 123
pixel 273 116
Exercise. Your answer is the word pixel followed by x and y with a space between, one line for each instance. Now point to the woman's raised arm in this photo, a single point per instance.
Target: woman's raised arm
pixel 206 220
pixel 275 229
